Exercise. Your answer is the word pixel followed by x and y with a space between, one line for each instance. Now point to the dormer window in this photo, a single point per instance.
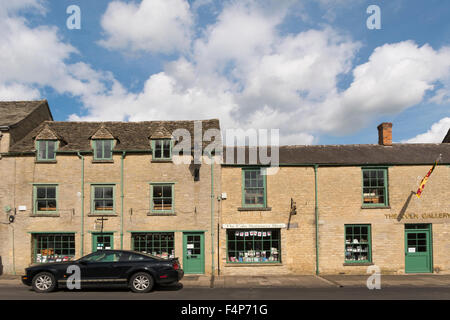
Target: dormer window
pixel 46 150
pixel 47 142
pixel 103 144
pixel 162 149
pixel 103 149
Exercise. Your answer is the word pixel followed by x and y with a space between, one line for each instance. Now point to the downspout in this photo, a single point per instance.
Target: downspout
pixel 316 211
pixel 212 215
pixel 82 202
pixel 121 199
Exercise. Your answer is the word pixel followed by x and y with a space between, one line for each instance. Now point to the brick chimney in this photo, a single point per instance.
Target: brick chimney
pixel 385 134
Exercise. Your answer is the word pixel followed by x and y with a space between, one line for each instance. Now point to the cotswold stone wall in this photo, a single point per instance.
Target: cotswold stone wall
pixel 192 202
pixel 340 203
pixel 297 242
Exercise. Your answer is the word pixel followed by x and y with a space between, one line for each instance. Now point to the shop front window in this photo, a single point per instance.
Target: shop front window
pixel 357 244
pixel 54 247
pixel 254 246
pixel 159 244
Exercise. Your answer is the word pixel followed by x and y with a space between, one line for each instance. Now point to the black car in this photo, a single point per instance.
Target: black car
pixel 138 270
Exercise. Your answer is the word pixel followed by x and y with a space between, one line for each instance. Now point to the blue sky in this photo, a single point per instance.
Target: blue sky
pixel 309 68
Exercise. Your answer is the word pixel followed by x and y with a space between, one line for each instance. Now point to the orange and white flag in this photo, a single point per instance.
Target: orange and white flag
pixel 425 179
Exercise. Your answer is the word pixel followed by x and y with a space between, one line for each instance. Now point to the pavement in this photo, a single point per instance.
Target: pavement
pixel 297 281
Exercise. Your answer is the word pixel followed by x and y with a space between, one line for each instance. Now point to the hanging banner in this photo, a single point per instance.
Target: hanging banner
pixel 425 179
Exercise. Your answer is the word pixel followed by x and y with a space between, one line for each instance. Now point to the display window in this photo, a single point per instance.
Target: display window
pixel 159 244
pixel 53 247
pixel 357 244
pixel 254 246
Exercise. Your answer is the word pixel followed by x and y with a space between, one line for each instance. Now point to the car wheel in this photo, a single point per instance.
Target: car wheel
pixel 44 282
pixel 141 282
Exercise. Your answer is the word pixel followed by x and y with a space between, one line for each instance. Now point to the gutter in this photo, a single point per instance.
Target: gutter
pixel 316 212
pixel 82 202
pixel 121 198
pixel 212 215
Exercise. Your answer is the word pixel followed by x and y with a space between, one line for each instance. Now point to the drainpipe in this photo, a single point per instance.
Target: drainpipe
pixel 212 214
pixel 82 202
pixel 316 211
pixel 121 199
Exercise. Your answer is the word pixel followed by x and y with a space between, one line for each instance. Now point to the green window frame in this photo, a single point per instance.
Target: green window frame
pixel 103 149
pixel 46 150
pixel 103 199
pixel 375 187
pixel 358 243
pixel 45 199
pixel 162 198
pixel 254 188
pixel 253 246
pixel 53 247
pixel 162 149
pixel 159 244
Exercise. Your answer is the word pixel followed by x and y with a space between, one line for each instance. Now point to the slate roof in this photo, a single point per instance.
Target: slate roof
pixel 364 154
pixel 129 135
pixel 12 112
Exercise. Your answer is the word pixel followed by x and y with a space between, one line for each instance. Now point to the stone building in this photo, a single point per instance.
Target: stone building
pixel 70 188
pixel 337 210
pixel 76 187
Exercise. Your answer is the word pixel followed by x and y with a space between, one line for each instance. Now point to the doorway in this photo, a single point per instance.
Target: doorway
pixel 418 248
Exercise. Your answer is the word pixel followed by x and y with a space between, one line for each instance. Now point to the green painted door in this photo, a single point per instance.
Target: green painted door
pixel 102 241
pixel 418 249
pixel 193 253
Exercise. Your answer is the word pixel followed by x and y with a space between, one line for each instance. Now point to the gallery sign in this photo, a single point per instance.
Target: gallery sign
pixel 416 216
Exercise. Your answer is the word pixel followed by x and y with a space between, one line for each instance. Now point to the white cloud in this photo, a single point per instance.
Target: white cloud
pixel 241 70
pixel 436 133
pixel 396 77
pixel 149 26
pixel 16 91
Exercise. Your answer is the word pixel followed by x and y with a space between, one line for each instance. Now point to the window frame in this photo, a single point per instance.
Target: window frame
pixel 35 199
pixel 163 184
pixel 101 212
pixel 35 237
pixel 243 189
pixel 279 251
pixel 38 150
pixel 96 157
pixel 152 234
pixel 369 244
pixel 162 158
pixel 386 188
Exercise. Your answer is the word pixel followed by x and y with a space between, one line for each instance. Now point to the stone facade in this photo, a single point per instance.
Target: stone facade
pixel 192 208
pixel 208 200
pixel 339 204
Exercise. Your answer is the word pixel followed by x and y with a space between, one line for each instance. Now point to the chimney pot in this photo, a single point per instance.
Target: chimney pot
pixel 385 134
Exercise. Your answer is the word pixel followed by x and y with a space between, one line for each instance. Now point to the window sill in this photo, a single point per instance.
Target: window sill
pixel 375 207
pixel 45 161
pixel 102 161
pixel 44 215
pixel 162 161
pixel 253 264
pixel 357 264
pixel 254 209
pixel 161 214
pixel 98 214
